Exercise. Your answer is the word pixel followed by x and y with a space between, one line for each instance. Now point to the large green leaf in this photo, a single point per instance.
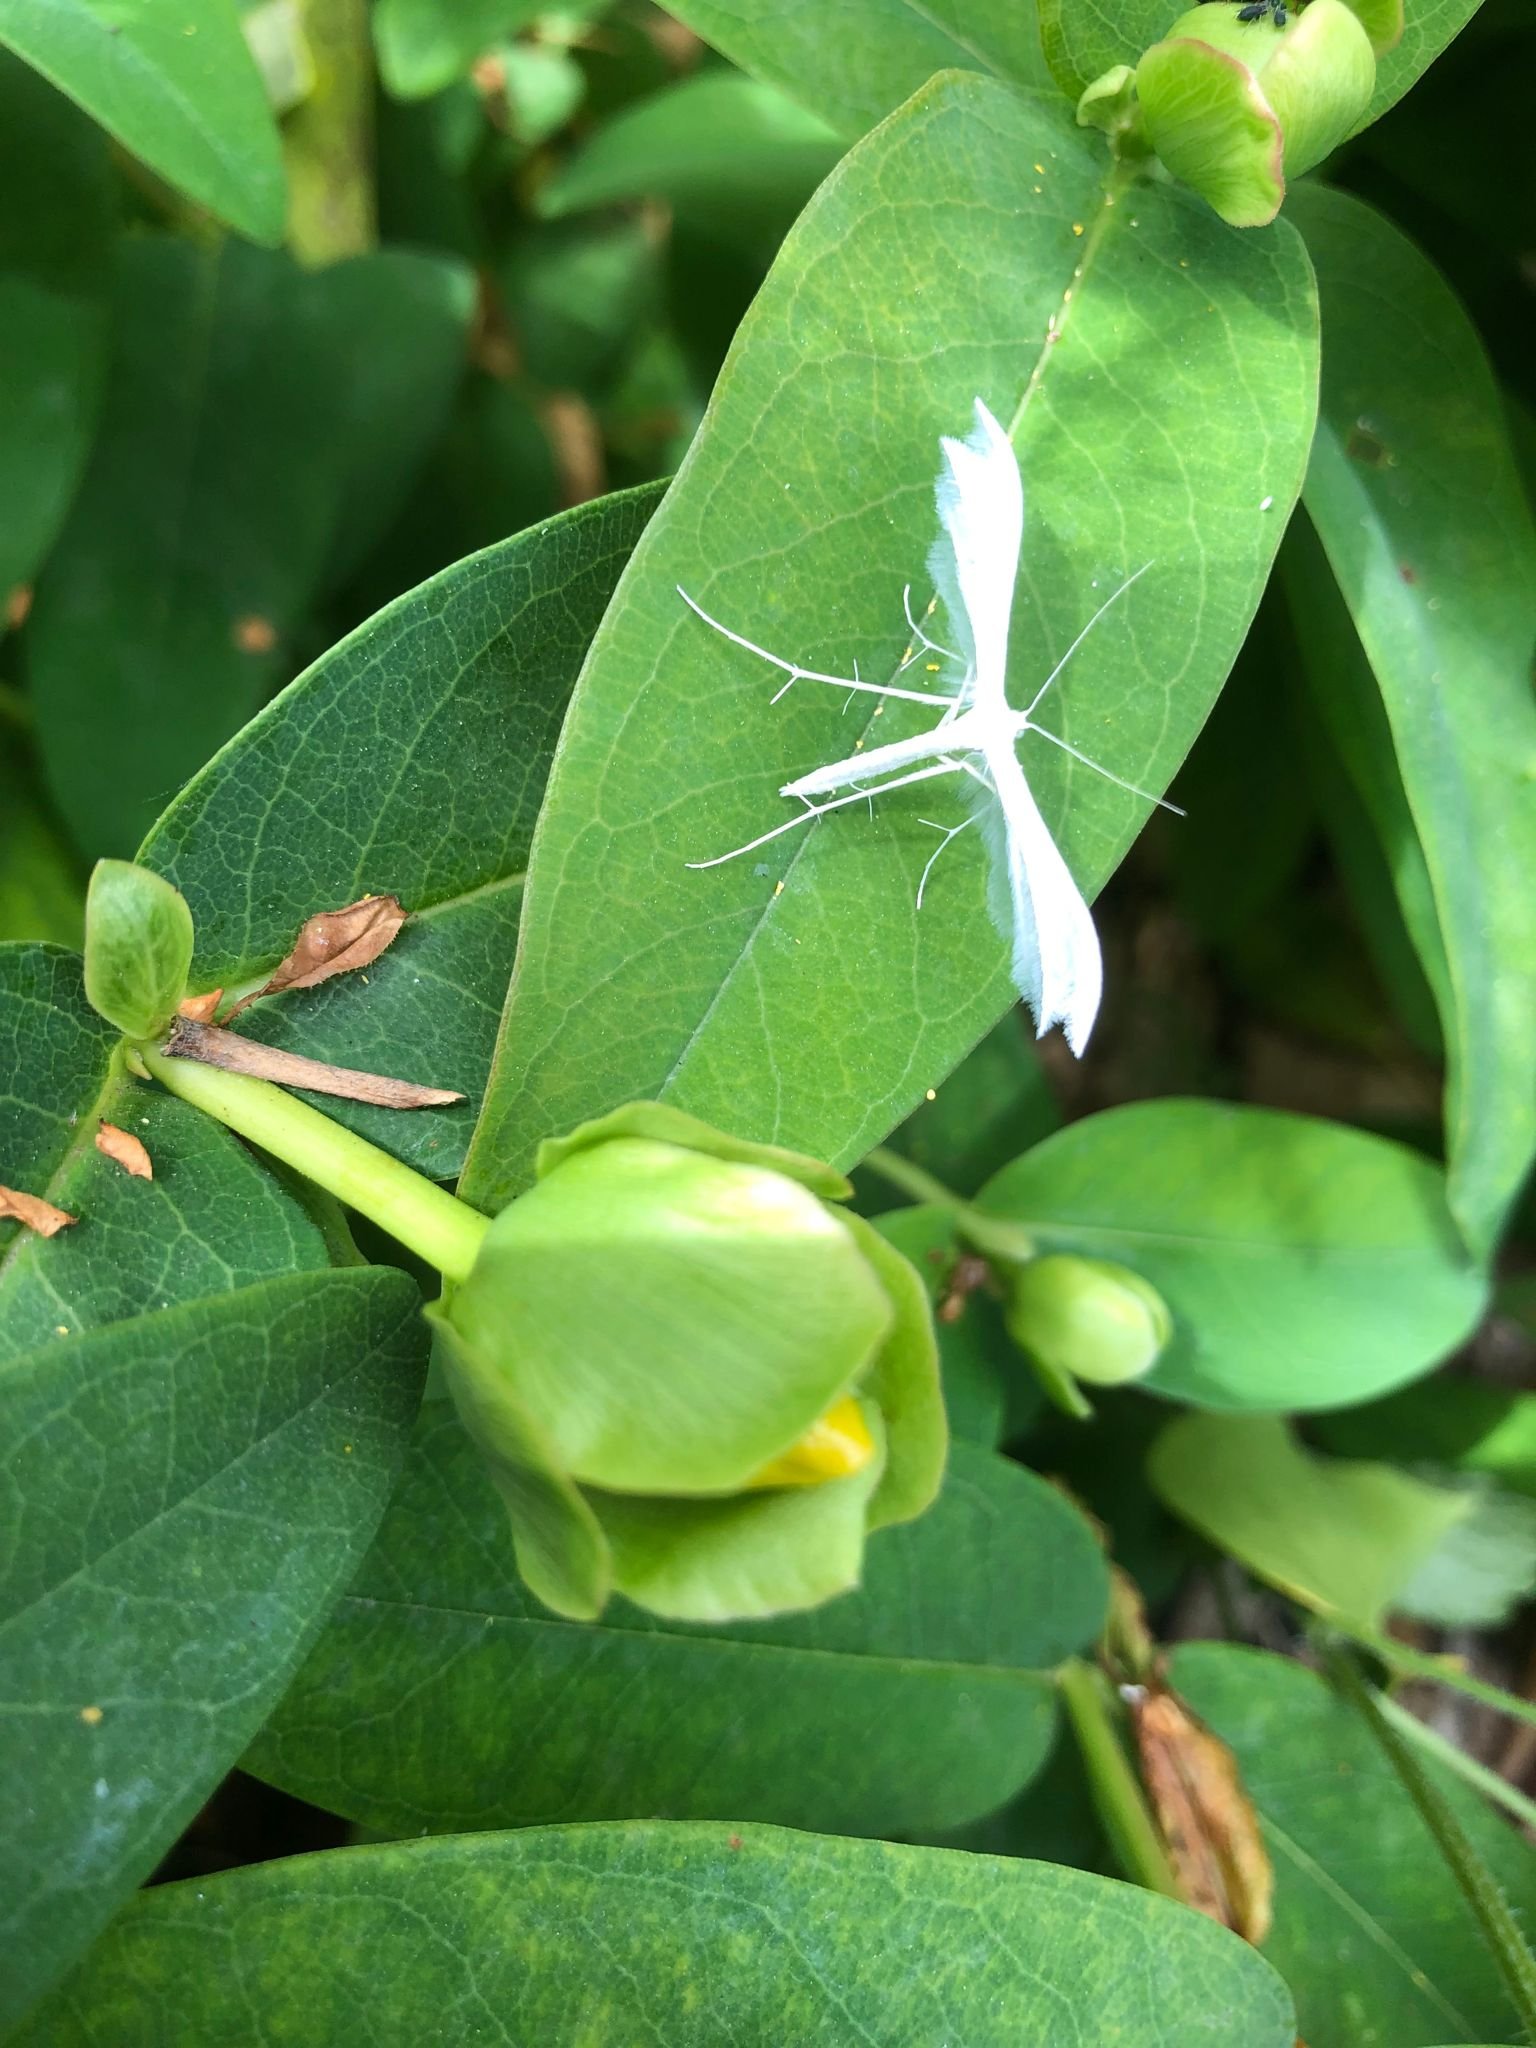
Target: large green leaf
pixel 1415 496
pixel 1083 38
pixel 412 759
pixel 660 1932
pixel 257 429
pixel 56 210
pixel 801 997
pixel 1371 1931
pixel 441 1695
pixel 176 85
pixel 853 65
pixel 1342 1535
pixel 183 1496
pixel 723 151
pixel 1307 1265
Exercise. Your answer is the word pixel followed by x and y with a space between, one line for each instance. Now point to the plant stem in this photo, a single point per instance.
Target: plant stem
pixel 1443 1670
pixel 989 1234
pixel 1489 1783
pixel 912 1180
pixel 1117 1793
pixel 328 137
pixel 1477 1883
pixel 435 1225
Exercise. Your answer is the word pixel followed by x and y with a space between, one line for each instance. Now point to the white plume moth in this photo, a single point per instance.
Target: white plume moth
pixel 1057 966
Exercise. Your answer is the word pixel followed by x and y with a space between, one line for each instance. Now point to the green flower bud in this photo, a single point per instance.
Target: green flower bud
pixel 1085 1319
pixel 138 948
pixel 1233 107
pixel 698 1380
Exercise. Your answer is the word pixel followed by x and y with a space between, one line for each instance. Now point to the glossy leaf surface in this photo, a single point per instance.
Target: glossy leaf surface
pixel 691 1935
pixel 1370 1930
pixel 441 1696
pixel 800 997
pixel 176 86
pixel 1306 1265
pixel 241 452
pixel 183 1495
pixel 56 208
pixel 855 66
pixel 410 759
pixel 1418 504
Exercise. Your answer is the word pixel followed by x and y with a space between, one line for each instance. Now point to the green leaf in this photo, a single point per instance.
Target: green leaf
pixel 186 1493
pixel 1370 1930
pixel 138 947
pixel 1340 1535
pixel 424 45
pixel 217 503
pixel 1417 502
pixel 723 151
pixel 323 798
pixel 1084 38
pixel 995 1105
pixel 56 216
pixel 913 1703
pixel 1466 1424
pixel 856 66
pixel 801 998
pixel 176 85
pixel 662 1932
pixel 975 1352
pixel 42 894
pixel 1306 1265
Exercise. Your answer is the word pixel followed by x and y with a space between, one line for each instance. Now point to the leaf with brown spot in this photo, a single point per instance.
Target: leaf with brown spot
pixel 213 1046
pixel 201 1009
pixel 34 1212
pixel 125 1150
pixel 335 942
pixel 1206 1817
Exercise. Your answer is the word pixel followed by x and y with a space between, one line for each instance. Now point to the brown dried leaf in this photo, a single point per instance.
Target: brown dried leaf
pixel 1206 1817
pixel 335 942
pixel 215 1047
pixel 34 1212
pixel 201 1009
pixel 127 1150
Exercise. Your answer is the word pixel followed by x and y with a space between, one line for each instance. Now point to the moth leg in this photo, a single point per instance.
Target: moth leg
pixel 949 832
pixel 1103 608
pixel 820 810
pixel 799 674
pixel 932 646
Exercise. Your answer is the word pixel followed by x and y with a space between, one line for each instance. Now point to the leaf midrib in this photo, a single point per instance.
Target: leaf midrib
pixel 1115 180
pixel 1036 1675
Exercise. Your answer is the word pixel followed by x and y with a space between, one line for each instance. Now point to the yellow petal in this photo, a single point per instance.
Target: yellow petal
pixel 836 1444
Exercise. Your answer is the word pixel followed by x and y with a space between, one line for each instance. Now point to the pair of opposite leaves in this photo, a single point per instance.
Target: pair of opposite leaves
pixel 1057 966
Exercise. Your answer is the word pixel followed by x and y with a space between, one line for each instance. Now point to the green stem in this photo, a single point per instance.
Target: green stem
pixel 1443 1670
pixel 989 1234
pixel 328 137
pixel 435 1225
pixel 1477 1883
pixel 1117 1793
pixel 912 1180
pixel 1489 1783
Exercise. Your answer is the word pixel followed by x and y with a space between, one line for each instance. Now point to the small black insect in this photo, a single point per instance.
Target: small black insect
pixel 1255 10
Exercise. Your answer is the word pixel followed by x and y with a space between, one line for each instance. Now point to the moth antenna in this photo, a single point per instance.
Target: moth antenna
pixel 949 832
